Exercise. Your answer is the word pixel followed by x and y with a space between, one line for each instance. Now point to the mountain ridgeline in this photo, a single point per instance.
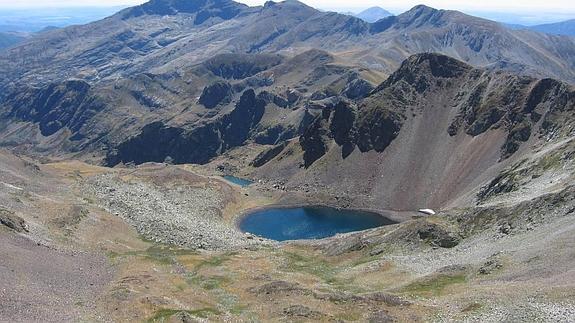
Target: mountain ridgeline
pixel 162 36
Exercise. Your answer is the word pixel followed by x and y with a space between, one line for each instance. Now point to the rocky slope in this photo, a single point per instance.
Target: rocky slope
pixel 434 131
pixel 225 101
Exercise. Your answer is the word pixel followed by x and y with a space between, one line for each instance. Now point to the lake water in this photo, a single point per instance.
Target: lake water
pixel 238 181
pixel 298 223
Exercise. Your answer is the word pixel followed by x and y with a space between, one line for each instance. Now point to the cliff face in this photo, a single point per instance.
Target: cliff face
pixel 432 133
pixel 54 107
pixel 158 142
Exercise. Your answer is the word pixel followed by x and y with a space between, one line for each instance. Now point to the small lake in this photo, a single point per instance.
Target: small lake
pixel 238 181
pixel 298 223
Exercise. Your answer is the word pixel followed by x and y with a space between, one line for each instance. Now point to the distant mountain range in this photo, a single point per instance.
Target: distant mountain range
pixel 560 28
pixel 163 35
pixel 34 20
pixel 8 39
pixel 373 14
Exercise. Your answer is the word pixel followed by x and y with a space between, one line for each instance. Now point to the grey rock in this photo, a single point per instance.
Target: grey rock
pixel 12 221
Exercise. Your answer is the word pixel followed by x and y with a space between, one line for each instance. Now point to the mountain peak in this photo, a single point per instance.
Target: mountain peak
pixel 373 14
pixel 438 65
pixel 287 4
pixel 421 8
pixel 421 15
pixel 432 64
pixel 204 9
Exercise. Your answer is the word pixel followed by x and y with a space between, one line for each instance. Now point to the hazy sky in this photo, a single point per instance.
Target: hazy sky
pixel 564 7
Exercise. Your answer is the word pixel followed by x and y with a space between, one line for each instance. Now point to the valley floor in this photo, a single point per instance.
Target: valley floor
pixel 158 243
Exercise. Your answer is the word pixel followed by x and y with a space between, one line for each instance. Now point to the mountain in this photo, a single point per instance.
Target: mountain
pixel 431 134
pixel 116 136
pixel 373 14
pixel 143 39
pixel 9 39
pixel 177 72
pixel 559 28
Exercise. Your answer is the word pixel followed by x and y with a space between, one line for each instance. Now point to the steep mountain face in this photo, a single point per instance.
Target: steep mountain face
pixel 69 104
pixel 113 123
pixel 373 14
pixel 159 143
pixel 434 131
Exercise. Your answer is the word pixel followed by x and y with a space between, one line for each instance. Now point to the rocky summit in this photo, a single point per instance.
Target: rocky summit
pixel 132 150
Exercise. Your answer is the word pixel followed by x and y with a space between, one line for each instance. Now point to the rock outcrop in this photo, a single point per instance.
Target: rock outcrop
pixel 216 94
pixel 157 141
pixel 268 155
pixel 12 221
pixel 59 105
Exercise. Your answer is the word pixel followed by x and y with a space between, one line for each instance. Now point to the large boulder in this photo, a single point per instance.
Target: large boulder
pixel 12 221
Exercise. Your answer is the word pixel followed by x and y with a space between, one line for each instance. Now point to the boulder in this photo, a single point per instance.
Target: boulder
pixel 301 312
pixel 438 236
pixel 12 221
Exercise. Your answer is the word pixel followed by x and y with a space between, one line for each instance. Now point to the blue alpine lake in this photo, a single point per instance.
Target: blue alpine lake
pixel 296 223
pixel 238 181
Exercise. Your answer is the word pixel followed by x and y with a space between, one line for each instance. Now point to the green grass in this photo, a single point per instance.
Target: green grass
pixel 348 316
pixel 212 282
pixel 550 161
pixel 311 265
pixel 433 286
pixel 206 282
pixel 162 254
pixel 163 315
pixel 364 260
pixel 472 307
pixel 215 261
pixel 323 270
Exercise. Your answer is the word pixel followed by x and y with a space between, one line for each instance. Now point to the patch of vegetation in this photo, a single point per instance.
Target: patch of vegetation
pixel 320 268
pixel 231 303
pixel 348 316
pixel 163 315
pixel 550 161
pixel 215 261
pixel 162 254
pixel 433 286
pixel 120 293
pixel 364 260
pixel 472 307
pixel 208 283
pixel 311 265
